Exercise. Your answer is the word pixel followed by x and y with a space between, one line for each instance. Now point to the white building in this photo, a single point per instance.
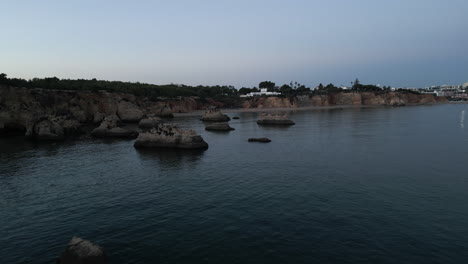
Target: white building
pixel 263 91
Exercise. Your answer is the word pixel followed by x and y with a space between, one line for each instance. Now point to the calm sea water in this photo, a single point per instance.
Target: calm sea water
pixel 372 185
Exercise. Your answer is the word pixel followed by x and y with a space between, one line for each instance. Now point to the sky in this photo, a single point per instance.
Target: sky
pixel 401 43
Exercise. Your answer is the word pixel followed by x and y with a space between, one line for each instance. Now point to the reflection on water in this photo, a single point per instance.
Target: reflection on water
pixel 462 119
pixel 171 157
pixel 360 185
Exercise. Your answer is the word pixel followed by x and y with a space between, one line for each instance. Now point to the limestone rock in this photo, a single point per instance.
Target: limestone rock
pixel 45 129
pixel 271 119
pixel 215 116
pixel 149 122
pixel 169 136
pixel 164 111
pixel 110 128
pixel 98 117
pixel 80 251
pixel 219 127
pixel 129 112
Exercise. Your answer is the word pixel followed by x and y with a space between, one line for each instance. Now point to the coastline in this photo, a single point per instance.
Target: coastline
pixel 307 108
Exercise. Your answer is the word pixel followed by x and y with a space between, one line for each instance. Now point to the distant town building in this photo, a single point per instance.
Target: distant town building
pixel 263 91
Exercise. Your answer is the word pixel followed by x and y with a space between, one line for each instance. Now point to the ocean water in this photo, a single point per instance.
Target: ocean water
pixel 360 185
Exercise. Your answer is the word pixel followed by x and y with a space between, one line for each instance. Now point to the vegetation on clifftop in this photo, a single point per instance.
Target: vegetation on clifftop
pixel 140 89
pixel 225 94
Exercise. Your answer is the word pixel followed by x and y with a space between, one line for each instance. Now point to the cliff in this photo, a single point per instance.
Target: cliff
pixel 55 114
pixel 38 111
pixel 363 98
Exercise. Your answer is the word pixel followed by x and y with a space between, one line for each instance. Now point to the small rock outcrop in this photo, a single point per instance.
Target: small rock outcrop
pixel 215 115
pixel 271 119
pixel 149 122
pixel 170 136
pixel 110 128
pixel 80 251
pixel 164 111
pixel 219 127
pixel 236 117
pixel 261 140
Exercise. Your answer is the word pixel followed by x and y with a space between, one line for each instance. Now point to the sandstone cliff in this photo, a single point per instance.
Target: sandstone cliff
pixel 40 113
pixel 55 114
pixel 363 98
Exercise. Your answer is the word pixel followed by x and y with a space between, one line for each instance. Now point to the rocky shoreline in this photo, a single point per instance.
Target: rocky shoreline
pixel 55 114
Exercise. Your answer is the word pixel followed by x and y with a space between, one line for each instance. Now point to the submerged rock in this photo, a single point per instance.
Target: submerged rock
pixel 261 140
pixel 149 122
pixel 80 251
pixel 215 116
pixel 270 119
pixel 170 136
pixel 110 128
pixel 219 127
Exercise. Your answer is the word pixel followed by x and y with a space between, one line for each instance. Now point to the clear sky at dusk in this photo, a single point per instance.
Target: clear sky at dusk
pixel 403 43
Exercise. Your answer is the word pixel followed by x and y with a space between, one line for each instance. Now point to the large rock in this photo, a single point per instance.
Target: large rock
pixel 215 116
pixel 164 111
pixel 80 251
pixel 169 136
pixel 45 129
pixel 271 119
pixel 219 127
pixel 149 122
pixel 52 128
pixel 129 112
pixel 110 128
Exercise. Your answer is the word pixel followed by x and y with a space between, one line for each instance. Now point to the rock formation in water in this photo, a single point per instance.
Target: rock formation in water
pixel 166 112
pixel 110 128
pixel 149 122
pixel 261 140
pixel 80 251
pixel 215 115
pixel 272 119
pixel 170 136
pixel 236 117
pixel 57 114
pixel 224 126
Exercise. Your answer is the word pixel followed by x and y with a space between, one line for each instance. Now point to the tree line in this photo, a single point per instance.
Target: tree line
pixel 152 91
pixel 225 93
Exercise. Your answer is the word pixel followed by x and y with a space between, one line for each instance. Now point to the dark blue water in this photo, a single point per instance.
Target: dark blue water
pixel 373 185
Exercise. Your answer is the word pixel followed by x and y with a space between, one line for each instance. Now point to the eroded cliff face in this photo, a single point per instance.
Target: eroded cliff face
pixel 55 114
pixel 33 111
pixel 363 98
